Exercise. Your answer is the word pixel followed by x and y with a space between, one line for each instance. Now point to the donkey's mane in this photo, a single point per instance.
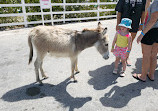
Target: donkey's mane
pixel 93 30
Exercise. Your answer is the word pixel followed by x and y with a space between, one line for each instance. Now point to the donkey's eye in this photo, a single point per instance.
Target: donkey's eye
pixel 103 40
pixel 106 44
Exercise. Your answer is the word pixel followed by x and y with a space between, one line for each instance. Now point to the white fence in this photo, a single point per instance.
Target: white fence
pixel 24 14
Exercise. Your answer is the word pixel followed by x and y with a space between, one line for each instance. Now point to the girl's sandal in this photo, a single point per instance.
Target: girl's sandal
pixel 122 74
pixel 115 71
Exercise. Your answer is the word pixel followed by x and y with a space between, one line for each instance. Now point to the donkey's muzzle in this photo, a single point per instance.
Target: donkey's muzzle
pixel 106 55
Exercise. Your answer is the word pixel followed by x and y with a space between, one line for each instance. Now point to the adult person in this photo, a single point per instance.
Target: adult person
pixel 134 10
pixel 149 43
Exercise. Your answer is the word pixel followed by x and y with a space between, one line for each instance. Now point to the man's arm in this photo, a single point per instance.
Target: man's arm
pixel 147 6
pixel 118 20
pixel 142 17
pixel 119 9
pixel 142 20
pixel 152 21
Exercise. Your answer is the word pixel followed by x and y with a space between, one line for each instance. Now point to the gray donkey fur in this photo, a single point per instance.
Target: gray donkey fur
pixel 65 43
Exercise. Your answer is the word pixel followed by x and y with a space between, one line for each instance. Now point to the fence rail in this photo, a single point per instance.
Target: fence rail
pixel 23 5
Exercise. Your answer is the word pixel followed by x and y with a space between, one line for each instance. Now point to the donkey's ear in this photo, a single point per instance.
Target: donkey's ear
pixel 105 30
pixel 99 24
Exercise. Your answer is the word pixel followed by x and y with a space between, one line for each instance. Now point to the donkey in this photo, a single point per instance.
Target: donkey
pixel 65 43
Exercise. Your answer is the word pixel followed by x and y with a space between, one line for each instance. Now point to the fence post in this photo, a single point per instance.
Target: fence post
pixel 24 12
pixel 64 2
pixel 42 14
pixel 98 4
pixel 51 14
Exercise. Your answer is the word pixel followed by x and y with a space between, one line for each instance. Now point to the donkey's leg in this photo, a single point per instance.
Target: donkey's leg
pixel 76 68
pixel 42 72
pixel 72 67
pixel 37 65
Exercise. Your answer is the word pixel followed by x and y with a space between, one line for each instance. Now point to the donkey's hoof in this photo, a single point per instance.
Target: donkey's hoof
pixel 77 72
pixel 40 83
pixel 71 77
pixel 75 81
pixel 45 77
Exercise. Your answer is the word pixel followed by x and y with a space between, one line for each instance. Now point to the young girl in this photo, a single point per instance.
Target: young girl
pixel 123 42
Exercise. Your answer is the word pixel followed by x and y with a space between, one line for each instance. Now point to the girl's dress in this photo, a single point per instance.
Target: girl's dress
pixel 121 45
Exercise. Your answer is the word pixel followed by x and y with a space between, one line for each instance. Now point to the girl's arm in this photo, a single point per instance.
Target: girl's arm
pixel 113 43
pixel 129 43
pixel 129 46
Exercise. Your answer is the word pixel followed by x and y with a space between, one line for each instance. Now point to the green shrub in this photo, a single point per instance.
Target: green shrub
pixel 30 9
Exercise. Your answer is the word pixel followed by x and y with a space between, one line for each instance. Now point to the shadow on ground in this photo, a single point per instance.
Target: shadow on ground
pixel 34 91
pixel 138 66
pixel 103 77
pixel 119 97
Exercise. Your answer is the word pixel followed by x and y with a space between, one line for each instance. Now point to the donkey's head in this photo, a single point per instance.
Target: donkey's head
pixel 102 44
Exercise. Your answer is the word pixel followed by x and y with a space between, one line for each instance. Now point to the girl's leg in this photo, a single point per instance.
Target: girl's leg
pixel 117 62
pixel 122 73
pixel 116 65
pixel 153 60
pixel 123 64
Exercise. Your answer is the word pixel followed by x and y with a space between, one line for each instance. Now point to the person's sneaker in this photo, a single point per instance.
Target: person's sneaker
pixel 122 74
pixel 115 71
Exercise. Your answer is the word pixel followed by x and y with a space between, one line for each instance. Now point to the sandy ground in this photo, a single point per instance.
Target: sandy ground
pixel 97 88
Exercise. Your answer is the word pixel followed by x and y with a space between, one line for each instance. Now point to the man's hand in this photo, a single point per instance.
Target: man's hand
pixel 139 38
pixel 140 27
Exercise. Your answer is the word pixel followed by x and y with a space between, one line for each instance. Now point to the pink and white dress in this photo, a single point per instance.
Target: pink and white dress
pixel 121 48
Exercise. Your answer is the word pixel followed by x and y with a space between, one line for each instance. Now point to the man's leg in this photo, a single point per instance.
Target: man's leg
pixel 146 51
pixel 133 34
pixel 153 60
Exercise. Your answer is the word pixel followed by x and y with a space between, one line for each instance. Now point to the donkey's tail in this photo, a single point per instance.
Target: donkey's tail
pixel 31 47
